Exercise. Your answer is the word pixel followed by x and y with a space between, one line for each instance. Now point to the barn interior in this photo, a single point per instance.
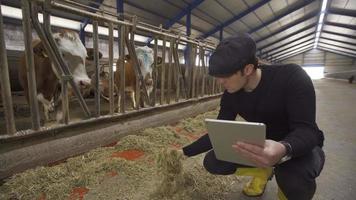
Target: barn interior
pixel 318 35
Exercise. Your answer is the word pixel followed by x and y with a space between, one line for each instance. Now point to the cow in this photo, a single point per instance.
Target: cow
pixel 47 77
pixel 145 59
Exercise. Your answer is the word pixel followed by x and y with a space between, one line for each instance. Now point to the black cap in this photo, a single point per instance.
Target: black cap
pixel 232 54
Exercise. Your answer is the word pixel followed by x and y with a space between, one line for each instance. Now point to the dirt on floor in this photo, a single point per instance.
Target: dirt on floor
pixel 143 165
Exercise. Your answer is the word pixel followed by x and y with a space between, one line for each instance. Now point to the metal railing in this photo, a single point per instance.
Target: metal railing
pixel 175 81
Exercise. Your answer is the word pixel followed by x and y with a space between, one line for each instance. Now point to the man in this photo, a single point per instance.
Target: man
pixel 280 96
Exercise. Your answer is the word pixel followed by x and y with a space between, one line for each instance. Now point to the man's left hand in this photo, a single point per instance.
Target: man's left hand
pixel 263 156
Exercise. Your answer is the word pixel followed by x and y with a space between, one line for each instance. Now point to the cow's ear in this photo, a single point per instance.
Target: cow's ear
pixel 39 50
pixel 159 60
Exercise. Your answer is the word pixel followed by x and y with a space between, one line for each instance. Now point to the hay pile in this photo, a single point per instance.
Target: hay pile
pixel 159 172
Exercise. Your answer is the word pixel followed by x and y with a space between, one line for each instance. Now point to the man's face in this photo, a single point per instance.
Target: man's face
pixel 234 82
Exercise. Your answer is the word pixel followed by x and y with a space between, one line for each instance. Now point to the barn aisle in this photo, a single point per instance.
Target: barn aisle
pixel 336 116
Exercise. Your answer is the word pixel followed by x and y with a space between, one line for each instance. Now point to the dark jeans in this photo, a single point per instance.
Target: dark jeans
pixel 295 177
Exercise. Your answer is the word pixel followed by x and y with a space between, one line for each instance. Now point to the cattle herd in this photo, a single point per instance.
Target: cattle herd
pixel 76 56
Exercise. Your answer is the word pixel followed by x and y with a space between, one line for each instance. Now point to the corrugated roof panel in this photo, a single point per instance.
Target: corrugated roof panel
pixel 264 13
pixel 277 5
pixel 341 19
pixel 234 6
pixel 214 9
pixel 344 4
pixel 251 19
pixel 287 46
pixel 289 39
pixel 239 26
pixel 290 30
pixel 250 3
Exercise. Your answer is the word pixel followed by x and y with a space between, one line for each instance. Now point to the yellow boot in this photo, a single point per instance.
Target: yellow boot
pixel 281 195
pixel 256 186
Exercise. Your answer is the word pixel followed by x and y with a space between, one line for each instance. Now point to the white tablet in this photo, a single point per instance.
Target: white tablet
pixel 224 133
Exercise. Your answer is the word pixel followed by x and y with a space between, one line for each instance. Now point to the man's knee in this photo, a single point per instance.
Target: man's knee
pixel 296 177
pixel 218 167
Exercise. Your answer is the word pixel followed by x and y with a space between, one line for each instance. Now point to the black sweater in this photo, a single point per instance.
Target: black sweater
pixel 284 100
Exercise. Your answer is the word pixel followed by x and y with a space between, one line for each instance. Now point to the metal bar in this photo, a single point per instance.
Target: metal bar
pixel 65 101
pixel 30 66
pixel 178 74
pixel 133 56
pixel 170 66
pixel 155 71
pixel 194 71
pixel 137 89
pixel 121 68
pixel 111 71
pixel 5 87
pixel 163 70
pixel 203 82
pixel 99 17
pixel 97 67
pixel 182 13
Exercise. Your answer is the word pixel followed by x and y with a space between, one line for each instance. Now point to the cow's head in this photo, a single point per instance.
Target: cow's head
pixel 74 54
pixel 145 58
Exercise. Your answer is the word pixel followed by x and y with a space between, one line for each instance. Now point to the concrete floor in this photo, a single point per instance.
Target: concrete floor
pixel 336 116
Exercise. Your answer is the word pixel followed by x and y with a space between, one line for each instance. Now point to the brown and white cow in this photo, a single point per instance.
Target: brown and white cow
pixel 145 58
pixel 47 77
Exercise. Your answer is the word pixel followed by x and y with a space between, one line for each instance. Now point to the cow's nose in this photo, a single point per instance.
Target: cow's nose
pixel 84 83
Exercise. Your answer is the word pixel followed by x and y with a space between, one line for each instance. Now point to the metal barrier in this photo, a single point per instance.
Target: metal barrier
pixel 189 83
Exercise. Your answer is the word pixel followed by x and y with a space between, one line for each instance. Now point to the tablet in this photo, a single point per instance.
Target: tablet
pixel 224 133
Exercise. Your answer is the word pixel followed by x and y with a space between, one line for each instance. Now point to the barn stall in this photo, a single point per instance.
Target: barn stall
pixel 313 34
pixel 27 140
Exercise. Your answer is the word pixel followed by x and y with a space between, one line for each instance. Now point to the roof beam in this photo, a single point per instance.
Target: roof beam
pixel 235 18
pixel 282 45
pixel 338 46
pixel 287 36
pixel 290 10
pixel 340 34
pixel 86 20
pixel 290 25
pixel 294 54
pixel 337 51
pixel 334 40
pixel 301 45
pixel 353 27
pixel 182 13
pixel 344 12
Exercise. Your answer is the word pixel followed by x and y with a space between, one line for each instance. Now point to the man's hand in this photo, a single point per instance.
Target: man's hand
pixel 263 156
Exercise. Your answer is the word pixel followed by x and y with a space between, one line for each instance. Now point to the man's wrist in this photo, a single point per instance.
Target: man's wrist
pixel 288 154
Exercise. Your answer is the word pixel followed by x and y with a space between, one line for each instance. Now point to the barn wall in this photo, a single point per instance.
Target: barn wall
pixel 336 65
